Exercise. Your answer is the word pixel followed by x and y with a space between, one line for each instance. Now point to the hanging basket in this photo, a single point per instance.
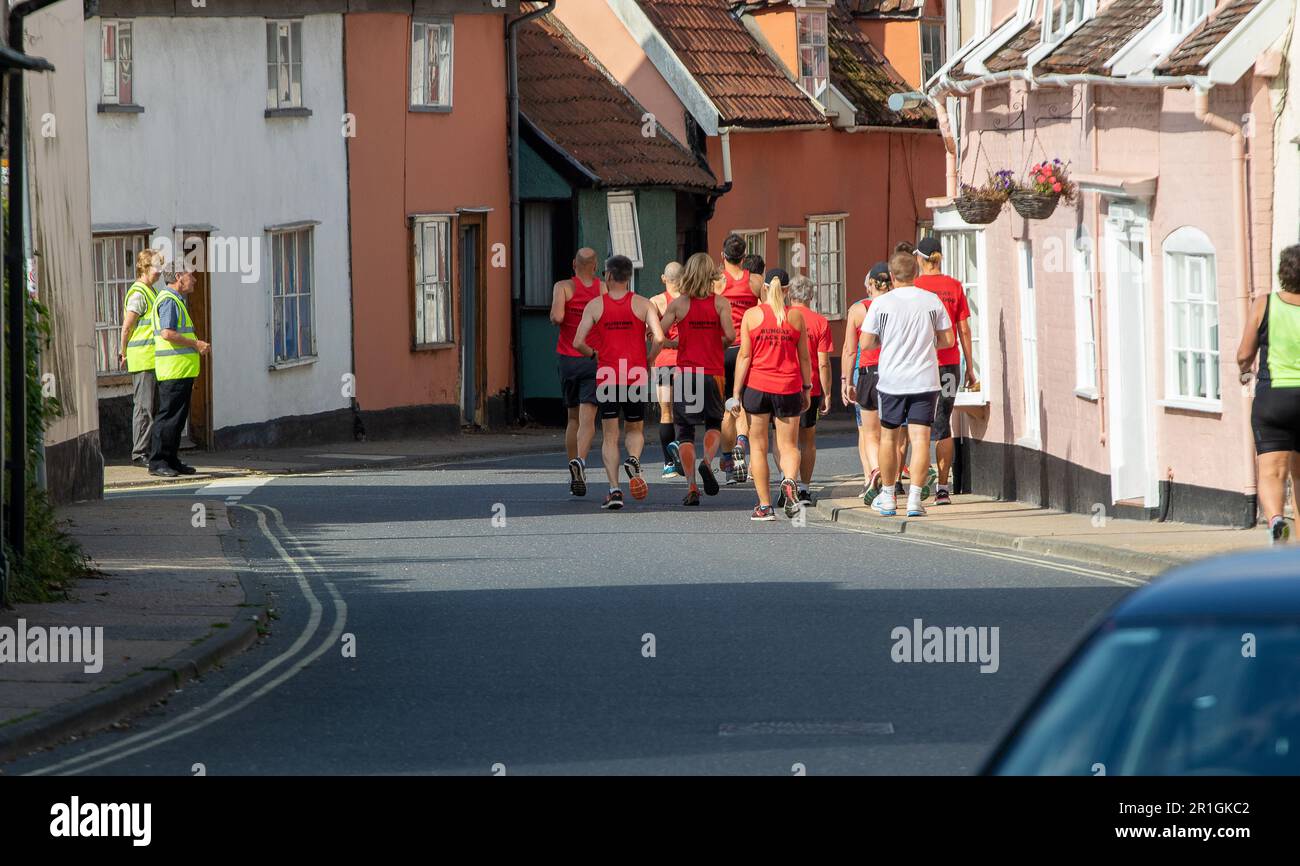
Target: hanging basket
pixel 1034 205
pixel 978 211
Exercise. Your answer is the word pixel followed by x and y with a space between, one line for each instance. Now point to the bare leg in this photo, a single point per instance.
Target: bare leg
pixel 571 433
pixel 609 450
pixel 586 429
pixel 870 435
pixel 890 456
pixel 920 465
pixel 759 471
pixel 787 433
pixel 712 440
pixel 1273 469
pixel 807 454
pixel 943 451
pixel 634 438
pixel 687 452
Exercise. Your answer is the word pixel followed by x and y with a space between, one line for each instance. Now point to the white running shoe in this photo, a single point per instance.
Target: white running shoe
pixel 885 504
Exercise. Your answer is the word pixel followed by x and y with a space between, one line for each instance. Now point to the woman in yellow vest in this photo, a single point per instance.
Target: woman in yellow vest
pixel 136 352
pixel 176 363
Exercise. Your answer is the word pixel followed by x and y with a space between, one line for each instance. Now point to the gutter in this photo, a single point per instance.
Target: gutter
pixel 1241 246
pixel 516 240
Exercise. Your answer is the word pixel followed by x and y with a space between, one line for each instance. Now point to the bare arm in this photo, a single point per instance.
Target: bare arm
pixel 945 339
pixel 963 331
pixel 1250 337
pixel 128 325
pixel 590 315
pixel 723 306
pixel 674 313
pixel 559 297
pixel 652 322
pixel 868 341
pixel 847 391
pixel 824 373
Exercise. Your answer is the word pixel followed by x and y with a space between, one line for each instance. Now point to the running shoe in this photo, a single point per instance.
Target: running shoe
pixel 740 472
pixel 899 489
pixel 614 501
pixel 726 463
pixel 885 504
pixel 780 498
pixel 790 492
pixel 918 511
pixel 675 455
pixel 639 488
pixel 805 497
pixel 670 471
pixel 577 478
pixel 708 479
pixel 692 497
pixel 942 497
pixel 763 513
pixel 1279 531
pixel 874 485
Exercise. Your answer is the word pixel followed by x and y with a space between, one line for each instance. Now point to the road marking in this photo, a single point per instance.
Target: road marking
pixel 172 728
pixel 804 729
pixel 233 489
pixel 1123 580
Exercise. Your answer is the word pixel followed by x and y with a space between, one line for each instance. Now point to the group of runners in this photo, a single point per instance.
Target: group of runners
pixel 747 358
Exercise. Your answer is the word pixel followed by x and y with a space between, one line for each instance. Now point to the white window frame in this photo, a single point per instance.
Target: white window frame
pixel 120 27
pixel 956 236
pixel 419 97
pixel 829 292
pixel 813 83
pixel 935 55
pixel 1063 17
pixel 618 241
pixel 755 241
pixel 296 294
pixel 1185 15
pixel 1185 250
pixel 113 276
pixel 1029 381
pixel 1085 318
pixel 279 68
pixel 429 282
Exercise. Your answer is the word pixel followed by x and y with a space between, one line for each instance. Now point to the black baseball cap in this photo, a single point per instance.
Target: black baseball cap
pixel 775 273
pixel 879 273
pixel 928 247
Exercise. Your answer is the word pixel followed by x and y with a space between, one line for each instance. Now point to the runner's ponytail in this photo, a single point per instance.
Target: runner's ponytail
pixel 776 299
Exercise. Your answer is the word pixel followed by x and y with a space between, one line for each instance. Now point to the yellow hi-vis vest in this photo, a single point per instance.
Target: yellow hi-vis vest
pixel 172 361
pixel 139 349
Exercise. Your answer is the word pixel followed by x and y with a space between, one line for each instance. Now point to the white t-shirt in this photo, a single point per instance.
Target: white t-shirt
pixel 905 321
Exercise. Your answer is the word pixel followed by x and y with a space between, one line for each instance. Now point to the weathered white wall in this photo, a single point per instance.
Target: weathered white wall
pixel 59 225
pixel 203 152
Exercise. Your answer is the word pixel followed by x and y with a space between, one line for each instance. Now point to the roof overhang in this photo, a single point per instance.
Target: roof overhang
pixel 1237 52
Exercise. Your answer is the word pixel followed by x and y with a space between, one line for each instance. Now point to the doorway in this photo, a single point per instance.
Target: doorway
pixel 1126 375
pixel 198 430
pixel 472 292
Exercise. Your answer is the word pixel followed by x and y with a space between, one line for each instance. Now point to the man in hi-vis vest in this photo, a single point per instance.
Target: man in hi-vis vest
pixel 176 363
pixel 136 352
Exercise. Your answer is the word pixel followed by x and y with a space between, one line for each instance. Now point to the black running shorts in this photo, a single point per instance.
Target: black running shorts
pixel 698 400
pixel 577 380
pixel 901 409
pixel 779 405
pixel 949 381
pixel 1275 418
pixel 868 396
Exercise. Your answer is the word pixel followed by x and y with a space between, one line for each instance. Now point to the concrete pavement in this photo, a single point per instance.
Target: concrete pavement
pixel 169 605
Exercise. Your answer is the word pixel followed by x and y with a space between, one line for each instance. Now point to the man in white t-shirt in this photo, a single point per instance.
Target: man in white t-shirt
pixel 909 325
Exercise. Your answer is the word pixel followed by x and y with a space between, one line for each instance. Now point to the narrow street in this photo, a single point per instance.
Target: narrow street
pixel 524 648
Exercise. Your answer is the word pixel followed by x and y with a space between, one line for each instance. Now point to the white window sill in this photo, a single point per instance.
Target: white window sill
pixel 1089 394
pixel 1033 442
pixel 294 362
pixel 1192 404
pixel 971 398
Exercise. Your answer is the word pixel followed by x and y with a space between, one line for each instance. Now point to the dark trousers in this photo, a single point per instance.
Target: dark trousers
pixel 169 423
pixel 146 404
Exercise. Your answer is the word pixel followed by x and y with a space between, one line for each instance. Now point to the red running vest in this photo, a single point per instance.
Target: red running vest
pixel 871 357
pixel 740 296
pixel 622 353
pixel 774 363
pixel 582 294
pixel 699 338
pixel 668 357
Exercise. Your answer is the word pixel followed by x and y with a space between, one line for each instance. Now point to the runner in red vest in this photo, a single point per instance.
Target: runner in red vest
pixel 820 346
pixel 774 379
pixel 742 290
pixel 702 319
pixel 619 319
pixel 665 364
pixel 577 374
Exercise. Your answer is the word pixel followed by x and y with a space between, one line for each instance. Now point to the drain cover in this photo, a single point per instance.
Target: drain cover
pixel 804 729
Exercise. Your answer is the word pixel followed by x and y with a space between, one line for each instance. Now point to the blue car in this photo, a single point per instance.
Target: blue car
pixel 1196 674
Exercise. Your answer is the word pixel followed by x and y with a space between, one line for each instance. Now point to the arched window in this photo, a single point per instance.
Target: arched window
pixel 1191 317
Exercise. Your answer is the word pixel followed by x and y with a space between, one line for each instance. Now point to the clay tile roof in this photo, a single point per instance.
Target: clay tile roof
pixel 865 77
pixel 746 84
pixel 1186 58
pixel 571 99
pixel 1012 55
pixel 1087 49
pixel 885 7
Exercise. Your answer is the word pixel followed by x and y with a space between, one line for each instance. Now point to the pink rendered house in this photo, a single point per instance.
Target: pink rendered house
pixel 1106 333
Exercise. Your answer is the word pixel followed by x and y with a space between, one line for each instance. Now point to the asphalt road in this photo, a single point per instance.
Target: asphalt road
pixel 521 645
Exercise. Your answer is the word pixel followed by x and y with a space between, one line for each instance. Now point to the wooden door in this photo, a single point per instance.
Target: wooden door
pixel 200 307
